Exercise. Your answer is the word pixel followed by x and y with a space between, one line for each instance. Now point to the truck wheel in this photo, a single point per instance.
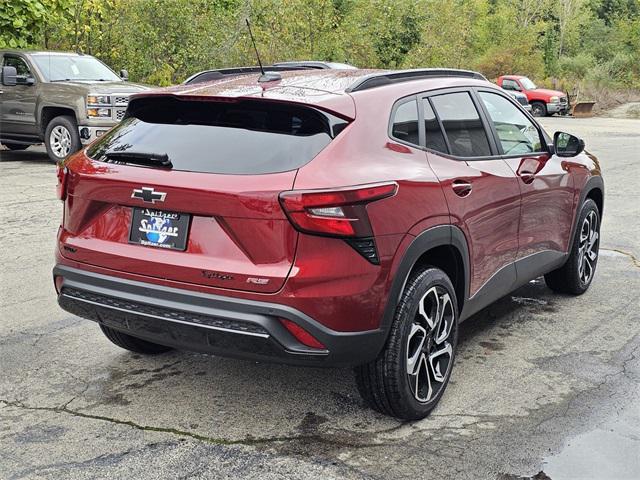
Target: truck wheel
pixel 132 344
pixel 16 146
pixel 575 276
pixel 538 109
pixel 62 138
pixel 411 373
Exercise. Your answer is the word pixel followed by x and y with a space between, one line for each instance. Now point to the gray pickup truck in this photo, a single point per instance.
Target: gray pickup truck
pixel 62 99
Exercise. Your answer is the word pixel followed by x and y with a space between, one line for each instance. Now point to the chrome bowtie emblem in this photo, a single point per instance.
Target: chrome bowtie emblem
pixel 148 195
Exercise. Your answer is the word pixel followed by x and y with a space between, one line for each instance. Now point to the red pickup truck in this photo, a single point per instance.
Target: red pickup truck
pixel 543 102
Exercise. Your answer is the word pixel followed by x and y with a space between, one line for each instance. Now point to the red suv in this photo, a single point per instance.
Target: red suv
pixel 325 218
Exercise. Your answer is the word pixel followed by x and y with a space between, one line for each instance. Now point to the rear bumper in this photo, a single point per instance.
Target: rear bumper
pixel 208 323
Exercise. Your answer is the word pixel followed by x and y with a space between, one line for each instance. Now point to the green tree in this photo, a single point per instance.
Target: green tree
pixel 164 41
pixel 22 22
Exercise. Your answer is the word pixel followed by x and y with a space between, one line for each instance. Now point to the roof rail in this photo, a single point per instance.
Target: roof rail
pixel 388 77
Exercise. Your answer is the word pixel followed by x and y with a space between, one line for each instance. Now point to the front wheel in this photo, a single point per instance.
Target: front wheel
pixel 575 276
pixel 411 373
pixel 538 109
pixel 62 138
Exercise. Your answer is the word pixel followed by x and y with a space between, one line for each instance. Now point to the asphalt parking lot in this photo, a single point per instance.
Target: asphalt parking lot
pixel 542 382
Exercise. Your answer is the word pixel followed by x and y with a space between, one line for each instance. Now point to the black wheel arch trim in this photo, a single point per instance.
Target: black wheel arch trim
pixel 42 109
pixel 439 236
pixel 595 182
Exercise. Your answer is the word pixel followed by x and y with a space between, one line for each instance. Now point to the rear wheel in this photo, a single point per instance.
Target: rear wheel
pixel 538 109
pixel 62 138
pixel 15 146
pixel 576 274
pixel 411 373
pixel 132 344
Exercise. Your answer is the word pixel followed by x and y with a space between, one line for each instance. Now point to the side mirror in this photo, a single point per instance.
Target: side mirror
pixel 9 76
pixel 567 145
pixel 124 75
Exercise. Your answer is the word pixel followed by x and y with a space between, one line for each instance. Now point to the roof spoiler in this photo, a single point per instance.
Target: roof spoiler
pixel 217 74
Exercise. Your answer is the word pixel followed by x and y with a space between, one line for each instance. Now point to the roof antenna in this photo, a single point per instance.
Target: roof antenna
pixel 266 76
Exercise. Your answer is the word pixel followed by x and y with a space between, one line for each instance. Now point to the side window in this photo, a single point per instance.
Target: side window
pixel 435 138
pixel 20 65
pixel 462 125
pixel 517 134
pixel 510 84
pixel 405 123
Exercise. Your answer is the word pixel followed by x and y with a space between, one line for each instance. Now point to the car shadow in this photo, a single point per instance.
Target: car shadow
pixel 534 297
pixel 34 154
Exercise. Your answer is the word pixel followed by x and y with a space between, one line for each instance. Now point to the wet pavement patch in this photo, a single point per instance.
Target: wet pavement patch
pixel 40 434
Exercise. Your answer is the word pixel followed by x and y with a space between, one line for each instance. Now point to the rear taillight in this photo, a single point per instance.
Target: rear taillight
pixel 338 213
pixel 61 188
pixel 301 334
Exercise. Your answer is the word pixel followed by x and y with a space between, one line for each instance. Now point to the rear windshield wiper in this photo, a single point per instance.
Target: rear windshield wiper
pixel 140 158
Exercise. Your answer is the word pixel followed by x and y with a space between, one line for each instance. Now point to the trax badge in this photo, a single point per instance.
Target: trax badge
pixel 149 195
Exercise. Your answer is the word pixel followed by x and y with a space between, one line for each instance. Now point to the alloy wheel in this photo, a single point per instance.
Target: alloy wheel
pixel 60 141
pixel 588 247
pixel 429 349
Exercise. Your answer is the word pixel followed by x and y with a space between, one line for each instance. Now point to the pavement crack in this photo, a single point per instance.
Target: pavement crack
pixel 596 385
pixel 631 256
pixel 103 460
pixel 629 359
pixel 185 433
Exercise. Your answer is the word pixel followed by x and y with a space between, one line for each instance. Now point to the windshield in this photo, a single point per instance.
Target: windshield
pixel 527 84
pixel 56 68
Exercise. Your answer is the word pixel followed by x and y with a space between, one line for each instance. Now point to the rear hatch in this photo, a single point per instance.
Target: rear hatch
pixel 187 190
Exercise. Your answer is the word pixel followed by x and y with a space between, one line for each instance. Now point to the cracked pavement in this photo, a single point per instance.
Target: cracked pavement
pixel 542 382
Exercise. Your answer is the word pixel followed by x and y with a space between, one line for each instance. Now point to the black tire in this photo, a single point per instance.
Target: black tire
pixel 571 278
pixel 15 146
pixel 133 344
pixel 69 124
pixel 385 384
pixel 538 109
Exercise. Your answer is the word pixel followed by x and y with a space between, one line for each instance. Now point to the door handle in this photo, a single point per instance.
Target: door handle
pixel 527 176
pixel 462 188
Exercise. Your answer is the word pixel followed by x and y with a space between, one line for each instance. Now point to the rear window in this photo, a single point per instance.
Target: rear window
pixel 245 137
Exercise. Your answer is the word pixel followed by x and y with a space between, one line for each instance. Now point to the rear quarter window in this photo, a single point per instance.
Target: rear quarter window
pixel 404 125
pixel 243 137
